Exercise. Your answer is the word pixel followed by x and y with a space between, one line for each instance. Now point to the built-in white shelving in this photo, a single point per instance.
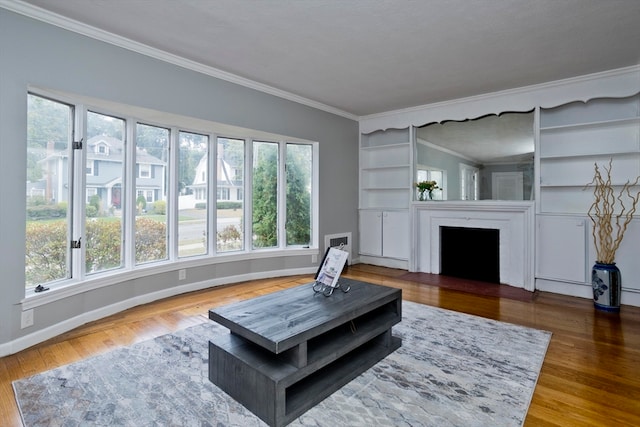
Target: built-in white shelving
pixel 385 169
pixel 385 195
pixel 576 136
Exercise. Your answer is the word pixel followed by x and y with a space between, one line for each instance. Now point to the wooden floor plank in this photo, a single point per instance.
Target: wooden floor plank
pixel 590 377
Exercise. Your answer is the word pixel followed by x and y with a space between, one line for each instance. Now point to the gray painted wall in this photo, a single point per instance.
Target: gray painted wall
pixel 35 53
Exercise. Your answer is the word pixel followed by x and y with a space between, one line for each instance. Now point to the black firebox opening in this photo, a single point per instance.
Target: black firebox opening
pixel 470 253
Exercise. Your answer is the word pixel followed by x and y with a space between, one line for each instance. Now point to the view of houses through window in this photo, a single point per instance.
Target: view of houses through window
pixel 193 176
pixel 104 229
pixel 104 205
pixel 230 183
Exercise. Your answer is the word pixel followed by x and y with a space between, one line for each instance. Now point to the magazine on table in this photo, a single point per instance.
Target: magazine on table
pixel 331 267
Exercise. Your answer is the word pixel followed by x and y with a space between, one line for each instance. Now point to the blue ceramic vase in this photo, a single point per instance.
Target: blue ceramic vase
pixel 606 281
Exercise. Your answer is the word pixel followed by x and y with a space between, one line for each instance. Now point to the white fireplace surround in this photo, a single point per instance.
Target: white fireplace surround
pixel 514 220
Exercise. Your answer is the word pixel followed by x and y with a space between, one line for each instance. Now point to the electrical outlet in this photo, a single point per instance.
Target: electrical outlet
pixel 314 258
pixel 27 319
pixel 182 274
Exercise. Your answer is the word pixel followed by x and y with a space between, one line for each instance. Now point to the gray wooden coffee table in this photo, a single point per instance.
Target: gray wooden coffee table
pixel 289 350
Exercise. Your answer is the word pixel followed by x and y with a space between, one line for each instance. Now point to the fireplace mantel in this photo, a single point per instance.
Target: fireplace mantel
pixel 514 220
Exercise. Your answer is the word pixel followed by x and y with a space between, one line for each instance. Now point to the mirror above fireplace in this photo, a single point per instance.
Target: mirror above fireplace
pixel 488 158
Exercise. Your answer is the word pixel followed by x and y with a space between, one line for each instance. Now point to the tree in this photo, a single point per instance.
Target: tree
pixel 48 127
pixel 154 140
pixel 298 195
pixel 265 193
pixel 100 124
pixel 298 172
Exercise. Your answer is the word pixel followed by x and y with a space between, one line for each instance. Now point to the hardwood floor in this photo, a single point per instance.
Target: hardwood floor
pixel 590 376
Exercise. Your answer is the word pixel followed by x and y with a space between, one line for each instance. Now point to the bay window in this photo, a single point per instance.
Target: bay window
pixel 108 191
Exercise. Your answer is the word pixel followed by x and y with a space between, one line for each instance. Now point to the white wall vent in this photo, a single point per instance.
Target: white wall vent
pixel 335 240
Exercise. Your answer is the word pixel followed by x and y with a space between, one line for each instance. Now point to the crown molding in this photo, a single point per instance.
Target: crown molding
pixel 40 14
pixel 509 92
pixel 619 82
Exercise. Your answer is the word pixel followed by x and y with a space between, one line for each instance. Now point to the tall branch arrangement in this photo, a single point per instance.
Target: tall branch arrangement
pixel 609 214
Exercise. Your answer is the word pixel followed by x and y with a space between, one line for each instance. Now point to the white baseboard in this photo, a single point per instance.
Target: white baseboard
pixel 384 262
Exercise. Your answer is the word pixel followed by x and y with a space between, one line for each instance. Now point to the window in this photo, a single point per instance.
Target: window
pixel 151 225
pixel 230 175
pixel 223 194
pixel 298 194
pixel 144 170
pixel 91 192
pixel 49 213
pixel 193 167
pixel 104 227
pixel 265 194
pixel 125 199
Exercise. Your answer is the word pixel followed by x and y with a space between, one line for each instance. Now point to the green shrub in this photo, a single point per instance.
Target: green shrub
pixel 229 205
pixel 95 202
pixel 151 240
pixel 36 212
pixel 47 244
pixel 36 201
pixel 229 234
pixel 201 205
pixel 103 245
pixel 160 207
pixel 46 252
pixel 141 203
pixel 90 211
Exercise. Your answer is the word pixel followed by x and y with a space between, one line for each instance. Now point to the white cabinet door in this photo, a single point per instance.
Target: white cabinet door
pixel 562 250
pixel 395 234
pixel 371 232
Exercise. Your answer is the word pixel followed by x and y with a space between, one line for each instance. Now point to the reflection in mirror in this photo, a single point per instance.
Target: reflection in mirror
pixel 486 158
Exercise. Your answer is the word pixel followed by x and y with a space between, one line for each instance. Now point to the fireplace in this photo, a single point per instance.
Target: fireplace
pixel 512 220
pixel 470 253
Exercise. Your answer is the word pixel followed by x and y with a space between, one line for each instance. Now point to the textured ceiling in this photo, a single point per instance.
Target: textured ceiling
pixel 363 57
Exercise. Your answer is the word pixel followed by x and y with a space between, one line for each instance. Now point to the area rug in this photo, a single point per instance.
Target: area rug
pixel 453 369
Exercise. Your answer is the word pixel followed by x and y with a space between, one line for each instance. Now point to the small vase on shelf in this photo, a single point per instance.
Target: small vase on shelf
pixel 425 190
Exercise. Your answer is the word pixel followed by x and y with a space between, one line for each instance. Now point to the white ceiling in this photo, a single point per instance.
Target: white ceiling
pixel 361 57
